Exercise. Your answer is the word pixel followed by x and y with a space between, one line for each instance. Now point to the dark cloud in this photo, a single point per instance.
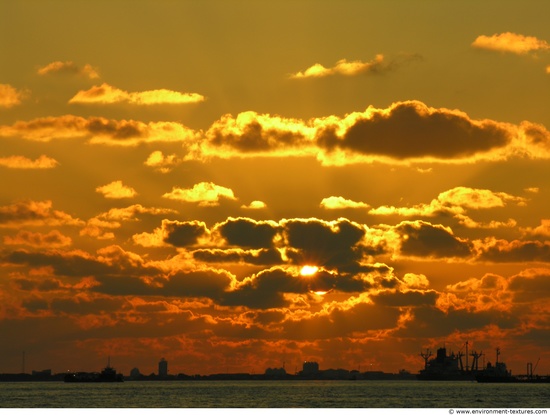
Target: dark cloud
pixel 528 287
pixel 316 242
pixel 248 233
pixel 265 290
pixel 429 322
pixel 252 136
pixel 124 285
pixel 423 239
pixel 410 129
pixel 47 284
pixel 182 234
pixel 515 251
pixel 340 322
pixel 116 129
pixel 207 283
pixel 110 261
pixel 70 265
pixel 405 299
pixel 255 257
pixel 79 306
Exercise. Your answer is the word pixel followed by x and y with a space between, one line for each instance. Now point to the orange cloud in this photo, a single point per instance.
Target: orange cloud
pixel 98 226
pixel 116 190
pixel 542 230
pixel 162 163
pixel 175 233
pixel 501 250
pixel 10 97
pixel 99 130
pixel 510 42
pixel 32 213
pixel 204 193
pixel 251 134
pixel 457 202
pixel 338 202
pixel 68 67
pixel 21 162
pixel 107 94
pixel 53 239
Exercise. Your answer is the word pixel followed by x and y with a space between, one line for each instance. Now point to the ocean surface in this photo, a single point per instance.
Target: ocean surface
pixel 273 394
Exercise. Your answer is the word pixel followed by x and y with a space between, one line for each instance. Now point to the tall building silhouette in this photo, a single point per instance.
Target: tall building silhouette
pixel 163 368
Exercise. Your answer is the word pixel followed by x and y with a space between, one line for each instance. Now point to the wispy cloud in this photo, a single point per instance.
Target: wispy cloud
pixel 21 162
pixel 510 42
pixel 343 67
pixel 69 68
pixel 10 96
pixel 107 94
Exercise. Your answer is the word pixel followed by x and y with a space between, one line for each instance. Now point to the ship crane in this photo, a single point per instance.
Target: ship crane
pixel 426 356
pixel 475 362
pixel 459 356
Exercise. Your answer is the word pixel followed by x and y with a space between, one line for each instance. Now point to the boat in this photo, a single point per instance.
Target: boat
pixel 447 367
pixel 108 374
pixel 499 373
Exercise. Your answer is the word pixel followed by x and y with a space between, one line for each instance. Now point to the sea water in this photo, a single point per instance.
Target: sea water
pixel 273 394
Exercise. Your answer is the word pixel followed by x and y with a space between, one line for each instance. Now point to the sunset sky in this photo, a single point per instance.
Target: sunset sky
pixel 238 185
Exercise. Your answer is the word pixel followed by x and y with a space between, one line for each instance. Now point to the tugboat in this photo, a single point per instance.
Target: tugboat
pixel 108 374
pixel 448 367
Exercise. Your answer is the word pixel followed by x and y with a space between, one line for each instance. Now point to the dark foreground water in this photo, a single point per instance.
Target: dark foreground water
pixel 274 394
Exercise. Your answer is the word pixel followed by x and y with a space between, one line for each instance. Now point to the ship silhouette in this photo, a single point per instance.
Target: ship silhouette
pixel 108 374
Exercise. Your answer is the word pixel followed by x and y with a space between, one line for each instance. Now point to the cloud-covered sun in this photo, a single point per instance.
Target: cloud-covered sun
pixel 308 270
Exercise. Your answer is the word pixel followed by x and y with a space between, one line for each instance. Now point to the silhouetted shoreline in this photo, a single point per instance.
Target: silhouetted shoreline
pixel 330 374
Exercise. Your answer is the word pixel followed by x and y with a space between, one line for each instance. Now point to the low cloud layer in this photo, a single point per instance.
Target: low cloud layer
pixel 405 132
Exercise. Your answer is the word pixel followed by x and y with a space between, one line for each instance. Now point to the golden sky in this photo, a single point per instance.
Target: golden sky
pixel 236 184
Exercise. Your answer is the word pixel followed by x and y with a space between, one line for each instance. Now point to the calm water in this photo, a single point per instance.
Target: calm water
pixel 274 394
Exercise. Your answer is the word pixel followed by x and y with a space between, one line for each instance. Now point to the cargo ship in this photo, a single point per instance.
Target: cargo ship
pixel 448 366
pixel 108 374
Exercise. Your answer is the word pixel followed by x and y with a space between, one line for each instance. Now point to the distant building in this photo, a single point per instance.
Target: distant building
pixel 163 368
pixel 310 368
pixel 135 373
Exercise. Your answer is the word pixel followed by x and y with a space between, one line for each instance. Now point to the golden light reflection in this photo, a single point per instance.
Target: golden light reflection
pixel 308 270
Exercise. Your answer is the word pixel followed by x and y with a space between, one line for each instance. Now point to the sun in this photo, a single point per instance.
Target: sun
pixel 308 270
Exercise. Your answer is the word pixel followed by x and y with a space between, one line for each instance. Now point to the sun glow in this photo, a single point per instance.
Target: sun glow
pixel 308 270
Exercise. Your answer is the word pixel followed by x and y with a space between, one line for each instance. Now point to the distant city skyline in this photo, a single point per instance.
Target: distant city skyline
pixel 232 185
